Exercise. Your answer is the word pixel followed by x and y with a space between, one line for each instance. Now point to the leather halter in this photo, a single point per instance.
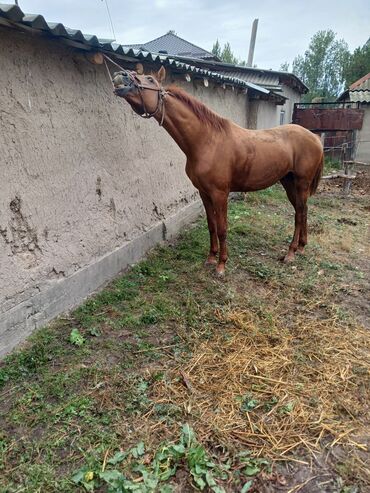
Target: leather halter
pixel 162 93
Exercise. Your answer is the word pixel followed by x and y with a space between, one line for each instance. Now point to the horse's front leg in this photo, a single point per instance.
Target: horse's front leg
pixel 219 200
pixel 212 228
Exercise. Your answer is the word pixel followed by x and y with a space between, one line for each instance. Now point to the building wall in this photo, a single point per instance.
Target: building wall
pixel 363 137
pixel 267 114
pixel 86 185
pixel 293 97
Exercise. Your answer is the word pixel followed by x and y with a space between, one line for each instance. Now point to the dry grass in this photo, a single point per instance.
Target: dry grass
pixel 278 389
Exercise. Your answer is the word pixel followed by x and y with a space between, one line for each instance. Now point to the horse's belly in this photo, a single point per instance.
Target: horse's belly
pixel 251 182
pixel 261 183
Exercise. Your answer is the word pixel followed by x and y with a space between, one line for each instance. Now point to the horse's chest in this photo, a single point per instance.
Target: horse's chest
pixel 193 176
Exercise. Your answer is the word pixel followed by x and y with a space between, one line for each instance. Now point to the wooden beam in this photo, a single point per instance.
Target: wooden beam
pixel 96 58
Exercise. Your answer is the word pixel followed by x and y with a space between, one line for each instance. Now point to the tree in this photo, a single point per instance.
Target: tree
pixel 321 67
pixel 216 49
pixel 358 64
pixel 284 67
pixel 225 54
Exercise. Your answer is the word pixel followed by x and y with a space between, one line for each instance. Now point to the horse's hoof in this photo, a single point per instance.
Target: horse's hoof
pixel 210 262
pixel 288 259
pixel 220 271
pixel 300 250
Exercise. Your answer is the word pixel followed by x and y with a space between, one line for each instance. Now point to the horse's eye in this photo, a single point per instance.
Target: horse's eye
pixel 151 79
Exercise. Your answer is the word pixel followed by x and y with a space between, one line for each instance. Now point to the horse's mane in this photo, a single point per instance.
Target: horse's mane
pixel 204 114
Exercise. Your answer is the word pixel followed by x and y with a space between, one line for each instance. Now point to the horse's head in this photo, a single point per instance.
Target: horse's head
pixel 143 92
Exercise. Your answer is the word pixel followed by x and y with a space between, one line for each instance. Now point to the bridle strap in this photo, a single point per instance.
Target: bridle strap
pixel 162 93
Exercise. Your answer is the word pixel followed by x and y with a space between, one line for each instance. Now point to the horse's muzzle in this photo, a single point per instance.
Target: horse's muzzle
pixel 123 84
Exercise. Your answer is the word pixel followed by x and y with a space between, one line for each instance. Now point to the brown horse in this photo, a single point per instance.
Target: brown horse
pixel 223 157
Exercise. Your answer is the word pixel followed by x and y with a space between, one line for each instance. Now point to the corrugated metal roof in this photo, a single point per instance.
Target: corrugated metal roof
pixel 12 16
pixel 172 44
pixel 358 92
pixel 360 96
pixel 264 79
pixel 253 74
pixel 184 50
pixel 363 83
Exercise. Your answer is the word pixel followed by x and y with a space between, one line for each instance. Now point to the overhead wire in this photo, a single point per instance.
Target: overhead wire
pixel 110 19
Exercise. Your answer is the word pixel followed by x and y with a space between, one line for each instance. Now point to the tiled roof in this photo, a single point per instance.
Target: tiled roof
pixel 172 44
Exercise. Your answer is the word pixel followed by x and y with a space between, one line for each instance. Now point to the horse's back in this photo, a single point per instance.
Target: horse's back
pixel 296 140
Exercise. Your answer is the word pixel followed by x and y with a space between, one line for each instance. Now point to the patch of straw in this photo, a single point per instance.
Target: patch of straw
pixel 275 390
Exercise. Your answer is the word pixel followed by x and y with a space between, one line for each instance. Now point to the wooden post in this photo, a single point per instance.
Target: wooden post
pixel 139 68
pixel 347 182
pixel 96 58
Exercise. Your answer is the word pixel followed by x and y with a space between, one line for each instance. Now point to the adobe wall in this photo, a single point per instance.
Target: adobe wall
pixel 86 185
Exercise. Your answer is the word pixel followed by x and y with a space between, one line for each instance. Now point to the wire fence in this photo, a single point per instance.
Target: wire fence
pixel 342 147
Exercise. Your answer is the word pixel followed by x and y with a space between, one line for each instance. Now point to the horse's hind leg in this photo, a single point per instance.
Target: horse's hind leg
pixel 297 191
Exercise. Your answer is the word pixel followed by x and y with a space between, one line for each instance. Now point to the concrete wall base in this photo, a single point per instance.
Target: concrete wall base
pixel 65 294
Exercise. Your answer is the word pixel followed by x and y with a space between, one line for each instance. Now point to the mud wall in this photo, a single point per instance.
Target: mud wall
pixel 86 186
pixel 266 114
pixel 363 137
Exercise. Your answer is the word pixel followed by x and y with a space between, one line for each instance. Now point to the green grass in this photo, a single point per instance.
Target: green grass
pixel 81 387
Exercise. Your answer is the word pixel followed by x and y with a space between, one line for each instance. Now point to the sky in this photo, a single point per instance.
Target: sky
pixel 284 30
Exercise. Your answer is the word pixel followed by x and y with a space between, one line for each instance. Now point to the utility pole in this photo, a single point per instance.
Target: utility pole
pixel 252 43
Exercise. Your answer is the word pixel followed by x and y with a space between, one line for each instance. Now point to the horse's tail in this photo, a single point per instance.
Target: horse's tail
pixel 316 179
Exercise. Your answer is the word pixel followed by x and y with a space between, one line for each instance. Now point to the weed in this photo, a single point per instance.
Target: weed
pixel 76 337
pixel 247 403
pixel 137 474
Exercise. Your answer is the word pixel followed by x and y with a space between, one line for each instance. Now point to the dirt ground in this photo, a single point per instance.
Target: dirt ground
pixel 172 379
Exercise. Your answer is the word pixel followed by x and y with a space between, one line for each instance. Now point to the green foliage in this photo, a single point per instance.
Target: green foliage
pixel 248 403
pixel 76 337
pixel 287 408
pixel 135 474
pixel 226 54
pixel 358 65
pixel 247 486
pixel 216 49
pixel 252 465
pixel 31 359
pixel 321 67
pixel 284 67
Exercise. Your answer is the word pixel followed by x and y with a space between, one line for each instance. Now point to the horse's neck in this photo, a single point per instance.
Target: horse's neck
pixel 183 126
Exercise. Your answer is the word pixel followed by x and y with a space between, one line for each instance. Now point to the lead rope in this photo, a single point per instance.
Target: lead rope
pixel 161 92
pixel 109 75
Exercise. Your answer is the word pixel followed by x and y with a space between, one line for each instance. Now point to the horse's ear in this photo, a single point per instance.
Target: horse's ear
pixel 161 74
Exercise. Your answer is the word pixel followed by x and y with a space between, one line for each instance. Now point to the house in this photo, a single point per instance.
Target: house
pixel 171 44
pixel 288 87
pixel 285 88
pixel 359 93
